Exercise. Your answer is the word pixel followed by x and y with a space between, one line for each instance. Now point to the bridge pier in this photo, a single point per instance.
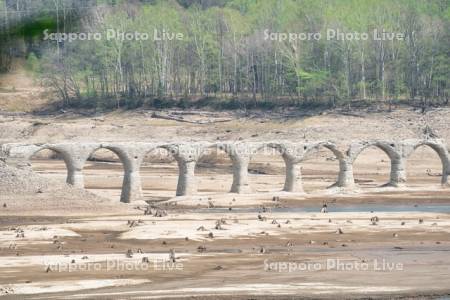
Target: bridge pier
pixel 398 173
pixel 240 174
pixel 187 183
pixel 75 176
pixel 345 177
pixel 293 180
pixel 131 188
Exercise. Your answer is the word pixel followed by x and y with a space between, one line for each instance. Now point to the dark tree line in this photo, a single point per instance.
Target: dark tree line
pixel 224 53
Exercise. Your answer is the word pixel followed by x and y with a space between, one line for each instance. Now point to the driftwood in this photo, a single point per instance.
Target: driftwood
pixel 180 119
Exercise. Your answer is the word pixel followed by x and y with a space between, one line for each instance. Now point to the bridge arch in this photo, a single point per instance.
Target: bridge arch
pixel 441 150
pixel 162 158
pixel 126 162
pixel 389 148
pixel 66 157
pixel 274 163
pixel 215 160
pixel 343 171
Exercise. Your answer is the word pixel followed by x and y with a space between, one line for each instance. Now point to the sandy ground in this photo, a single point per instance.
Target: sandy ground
pixel 263 249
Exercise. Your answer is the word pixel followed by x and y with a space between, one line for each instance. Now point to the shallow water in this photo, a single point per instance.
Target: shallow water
pixel 437 208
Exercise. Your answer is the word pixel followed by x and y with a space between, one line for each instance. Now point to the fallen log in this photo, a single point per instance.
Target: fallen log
pixel 180 119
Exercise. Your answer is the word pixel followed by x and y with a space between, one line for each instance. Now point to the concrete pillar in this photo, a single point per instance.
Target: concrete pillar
pixel 75 157
pixel 187 183
pixel 345 178
pixel 293 180
pixel 445 174
pixel 398 172
pixel 131 187
pixel 75 176
pixel 131 158
pixel 240 174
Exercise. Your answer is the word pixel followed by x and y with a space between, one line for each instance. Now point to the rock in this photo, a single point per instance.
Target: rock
pixel 201 248
pixel 211 235
pixel 129 253
pixel 219 226
pixel 374 220
pixel 172 257
pixel 201 228
pixel 339 231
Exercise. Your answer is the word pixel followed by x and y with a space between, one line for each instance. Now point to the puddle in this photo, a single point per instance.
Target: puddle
pixel 433 208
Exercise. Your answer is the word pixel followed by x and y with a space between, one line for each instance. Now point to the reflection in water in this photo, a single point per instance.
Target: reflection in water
pixel 437 208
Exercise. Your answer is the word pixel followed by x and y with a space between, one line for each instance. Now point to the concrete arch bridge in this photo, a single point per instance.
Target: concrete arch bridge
pixel 131 154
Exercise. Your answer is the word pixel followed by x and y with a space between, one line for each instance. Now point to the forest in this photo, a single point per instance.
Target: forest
pixel 232 53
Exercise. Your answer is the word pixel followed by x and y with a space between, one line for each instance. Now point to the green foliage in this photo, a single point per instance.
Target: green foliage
pixel 33 64
pixel 223 54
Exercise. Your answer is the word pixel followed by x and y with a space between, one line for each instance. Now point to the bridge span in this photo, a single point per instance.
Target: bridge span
pixel 131 154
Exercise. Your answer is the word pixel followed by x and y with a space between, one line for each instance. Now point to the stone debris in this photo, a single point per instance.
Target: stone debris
pixel 155 211
pixel 374 220
pixel 201 249
pixel 129 253
pixel 219 225
pixel 172 257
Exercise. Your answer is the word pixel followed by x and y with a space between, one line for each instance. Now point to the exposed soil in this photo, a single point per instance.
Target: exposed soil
pixel 234 262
